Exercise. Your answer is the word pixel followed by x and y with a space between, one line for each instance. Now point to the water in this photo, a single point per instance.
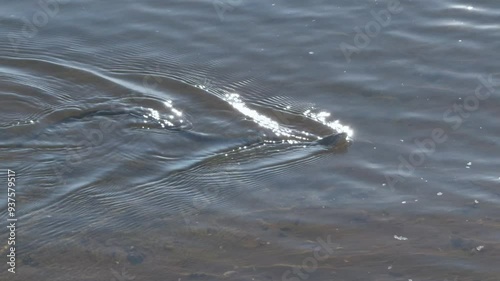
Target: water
pixel 170 141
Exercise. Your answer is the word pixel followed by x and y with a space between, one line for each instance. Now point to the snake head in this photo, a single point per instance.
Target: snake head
pixel 339 139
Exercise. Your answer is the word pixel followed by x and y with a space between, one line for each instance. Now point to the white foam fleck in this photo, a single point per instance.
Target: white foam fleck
pixel 400 238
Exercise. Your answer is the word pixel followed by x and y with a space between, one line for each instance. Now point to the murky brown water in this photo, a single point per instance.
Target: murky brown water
pixel 178 140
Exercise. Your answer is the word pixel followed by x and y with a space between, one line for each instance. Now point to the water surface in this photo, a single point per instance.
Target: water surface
pixel 170 141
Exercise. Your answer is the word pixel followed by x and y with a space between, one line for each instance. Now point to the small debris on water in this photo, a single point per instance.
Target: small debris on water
pixel 468 165
pixel 389 267
pixel 439 194
pixel 400 238
pixel 479 248
pixel 404 202
pixel 476 202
